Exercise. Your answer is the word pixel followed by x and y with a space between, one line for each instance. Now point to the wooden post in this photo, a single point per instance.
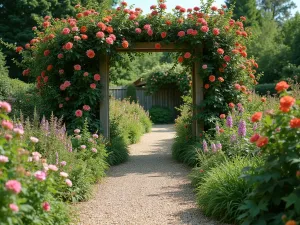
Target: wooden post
pixel 104 104
pixel 197 89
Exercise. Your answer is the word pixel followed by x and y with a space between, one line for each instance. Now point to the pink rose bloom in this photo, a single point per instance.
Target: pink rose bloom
pixel 66 31
pixel 40 175
pixel 46 206
pixel 76 131
pixel 220 51
pixel 93 86
pixel 77 137
pixel 77 38
pixel 227 58
pixel 67 98
pixel 34 139
pixel 109 40
pixel 63 174
pixel 62 87
pixel 132 17
pixel 46 52
pixel 204 67
pixel 85 74
pixel 67 83
pixel 237 86
pixel 214 8
pixel 78 113
pixel 181 33
pixel 74 29
pixel 18 131
pixel 94 150
pixel 113 36
pixel 14 186
pixel 77 67
pixel 100 34
pixel 14 207
pixel 204 29
pixel 7 125
pixel 147 27
pixel 150 32
pixel 3 159
pixel 8 137
pixel 190 31
pixel 36 156
pixel 69 182
pixel 63 163
pixel 195 32
pixel 69 46
pixel 216 31
pixel 187 55
pixel 163 6
pixel 138 30
pixel 95 136
pixel 52 167
pixel 97 77
pixel 86 108
pixel 83 147
pixel 61 105
pixel 61 71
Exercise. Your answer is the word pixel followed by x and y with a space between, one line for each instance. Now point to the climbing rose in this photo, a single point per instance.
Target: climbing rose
pixel 69 46
pixel 214 8
pixel 150 32
pixel 187 55
pixel 163 34
pixel 109 40
pixel 281 86
pixel 220 51
pixel 181 33
pixel 83 146
pixel 204 29
pixel 256 117
pixel 204 67
pixel 93 86
pixel 254 138
pixel 163 6
pixel 216 31
pixel 74 29
pixel 77 38
pixel 86 108
pixel 138 30
pixel 90 53
pixel 291 222
pixel 40 175
pixel 125 44
pixel 212 78
pixel 61 105
pixel 100 34
pixel 95 136
pixel 262 141
pixel 237 87
pixel 61 72
pixel 294 123
pixel 78 113
pixel 97 77
pixel 69 182
pixel 227 58
pixel 49 67
pixel 66 31
pixel 286 103
pixel 77 67
pixel 46 206
pixel 14 207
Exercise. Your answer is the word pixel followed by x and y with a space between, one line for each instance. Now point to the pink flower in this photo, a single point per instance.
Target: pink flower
pixel 40 175
pixel 237 86
pixel 74 29
pixel 61 105
pixel 204 29
pixel 150 32
pixel 77 38
pixel 63 174
pixel 63 163
pixel 94 150
pixel 181 33
pixel 34 139
pixel 113 36
pixel 78 113
pixel 97 77
pixel 86 108
pixel 227 58
pixel 83 147
pixel 7 125
pixel 3 159
pixel 100 34
pixel 190 31
pixel 61 71
pixel 66 31
pixel 163 34
pixel 93 86
pixel 76 131
pixel 36 156
pixel 18 131
pixel 187 55
pixel 214 8
pixel 109 40
pixel 138 30
pixel 46 206
pixel 147 27
pixel 67 83
pixel 85 74
pixel 132 17
pixel 5 107
pixel 14 207
pixel 95 136
pixel 216 31
pixel 69 46
pixel 204 67
pixel 62 87
pixel 69 182
pixel 220 51
pixel 90 53
pixel 52 167
pixel 77 67
pixel 46 52
pixel 14 186
pixel 163 6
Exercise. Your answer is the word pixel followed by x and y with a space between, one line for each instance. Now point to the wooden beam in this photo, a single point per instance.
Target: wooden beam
pixel 197 89
pixel 150 47
pixel 104 104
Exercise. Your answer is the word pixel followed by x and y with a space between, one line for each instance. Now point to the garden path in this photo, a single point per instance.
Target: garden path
pixel 150 189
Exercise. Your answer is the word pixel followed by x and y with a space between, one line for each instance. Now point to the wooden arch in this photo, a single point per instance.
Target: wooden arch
pixel 197 82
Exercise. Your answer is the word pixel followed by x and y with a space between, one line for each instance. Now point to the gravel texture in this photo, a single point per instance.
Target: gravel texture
pixel 150 189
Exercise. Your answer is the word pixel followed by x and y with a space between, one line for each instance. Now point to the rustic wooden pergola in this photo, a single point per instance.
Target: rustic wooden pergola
pixel 197 82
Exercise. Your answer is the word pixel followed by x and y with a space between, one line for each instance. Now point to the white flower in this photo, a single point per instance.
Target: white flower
pixel 63 174
pixel 3 159
pixel 34 140
pixel 76 131
pixel 53 167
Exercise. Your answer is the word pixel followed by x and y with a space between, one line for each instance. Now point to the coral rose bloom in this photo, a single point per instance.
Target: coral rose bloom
pixel 256 117
pixel 125 44
pixel 97 77
pixel 90 53
pixel 220 51
pixel 93 86
pixel 157 46
pixel 180 59
pixel 231 105
pixel 78 113
pixel 286 103
pixel 204 29
pixel 187 55
pixel 206 86
pixel 222 116
pixel 295 123
pixel 212 78
pixel 163 34
pixel 77 67
pixel 221 79
pixel 262 141
pixel 69 46
pixel 281 86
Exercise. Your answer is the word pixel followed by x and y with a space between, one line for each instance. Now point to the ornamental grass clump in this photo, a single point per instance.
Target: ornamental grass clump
pixel 276 197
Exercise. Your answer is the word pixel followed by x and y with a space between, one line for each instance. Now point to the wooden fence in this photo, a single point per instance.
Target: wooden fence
pixel 166 97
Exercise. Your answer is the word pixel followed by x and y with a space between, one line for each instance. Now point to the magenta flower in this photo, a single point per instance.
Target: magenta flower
pixel 229 121
pixel 46 206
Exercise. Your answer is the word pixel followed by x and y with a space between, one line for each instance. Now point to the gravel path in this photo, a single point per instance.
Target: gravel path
pixel 150 189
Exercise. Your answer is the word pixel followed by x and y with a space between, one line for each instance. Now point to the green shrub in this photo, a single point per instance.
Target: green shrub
pixel 223 190
pixel 117 151
pixel 264 89
pixel 131 93
pixel 160 115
